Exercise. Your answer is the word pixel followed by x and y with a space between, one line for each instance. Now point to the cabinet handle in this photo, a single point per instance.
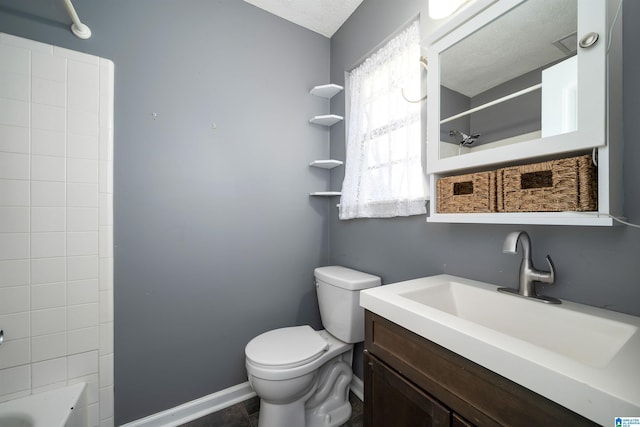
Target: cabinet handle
pixel 1 336
pixel 589 40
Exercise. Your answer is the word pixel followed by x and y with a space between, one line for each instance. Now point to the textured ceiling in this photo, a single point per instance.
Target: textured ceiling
pixel 321 16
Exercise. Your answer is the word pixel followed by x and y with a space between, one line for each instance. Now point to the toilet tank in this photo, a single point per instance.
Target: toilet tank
pixel 339 300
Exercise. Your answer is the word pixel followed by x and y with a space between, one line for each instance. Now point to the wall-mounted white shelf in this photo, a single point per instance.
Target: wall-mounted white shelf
pixel 326 91
pixel 537 218
pixel 609 185
pixel 326 120
pixel 326 164
pixel 325 193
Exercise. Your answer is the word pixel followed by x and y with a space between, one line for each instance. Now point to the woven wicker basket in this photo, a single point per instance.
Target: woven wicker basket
pixel 553 186
pixel 467 193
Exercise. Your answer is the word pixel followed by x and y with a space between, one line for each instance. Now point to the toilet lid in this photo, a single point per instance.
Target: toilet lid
pixel 286 347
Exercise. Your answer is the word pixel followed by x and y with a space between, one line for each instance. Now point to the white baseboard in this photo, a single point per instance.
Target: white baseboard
pixel 212 403
pixel 196 408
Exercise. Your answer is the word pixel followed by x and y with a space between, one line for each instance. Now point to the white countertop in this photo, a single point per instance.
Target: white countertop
pixel 598 388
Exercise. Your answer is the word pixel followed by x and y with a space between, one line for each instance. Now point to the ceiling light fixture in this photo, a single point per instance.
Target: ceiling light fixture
pixel 439 9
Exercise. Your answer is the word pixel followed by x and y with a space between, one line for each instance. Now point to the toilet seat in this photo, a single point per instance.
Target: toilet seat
pixel 286 348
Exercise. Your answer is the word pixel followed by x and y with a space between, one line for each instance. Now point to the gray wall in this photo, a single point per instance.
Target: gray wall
pixel 595 266
pixel 216 237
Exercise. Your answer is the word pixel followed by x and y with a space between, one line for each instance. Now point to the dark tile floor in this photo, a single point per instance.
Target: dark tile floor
pixel 245 414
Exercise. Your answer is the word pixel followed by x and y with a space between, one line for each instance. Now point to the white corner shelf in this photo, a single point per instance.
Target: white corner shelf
pixel 325 193
pixel 326 120
pixel 326 164
pixel 326 91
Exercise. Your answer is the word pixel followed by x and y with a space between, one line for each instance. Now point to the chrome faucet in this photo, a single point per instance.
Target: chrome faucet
pixel 528 273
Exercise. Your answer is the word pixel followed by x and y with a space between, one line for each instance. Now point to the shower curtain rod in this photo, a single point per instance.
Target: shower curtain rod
pixel 77 28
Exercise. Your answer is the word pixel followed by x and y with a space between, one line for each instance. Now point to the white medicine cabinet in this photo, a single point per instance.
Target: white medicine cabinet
pixel 526 81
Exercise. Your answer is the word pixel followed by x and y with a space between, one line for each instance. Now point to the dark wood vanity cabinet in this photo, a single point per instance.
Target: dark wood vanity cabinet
pixel 411 381
pixel 396 401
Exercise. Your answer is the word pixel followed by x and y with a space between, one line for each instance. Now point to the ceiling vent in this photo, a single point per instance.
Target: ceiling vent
pixel 567 44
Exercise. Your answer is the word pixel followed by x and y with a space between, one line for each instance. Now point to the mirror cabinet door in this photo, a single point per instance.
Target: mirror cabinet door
pixel 513 83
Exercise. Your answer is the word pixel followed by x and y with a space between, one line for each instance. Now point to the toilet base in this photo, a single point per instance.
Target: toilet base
pixel 272 415
pixel 334 413
pixel 337 416
pixel 323 401
pixel 325 404
pixel 330 406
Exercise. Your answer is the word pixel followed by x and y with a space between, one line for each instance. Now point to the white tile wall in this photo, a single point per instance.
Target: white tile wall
pixel 48 193
pixel 48 66
pixel 14 193
pixel 47 168
pixel 45 245
pixel 14 59
pixel 82 340
pixel 82 219
pixel 47 270
pixel 82 195
pixel 14 86
pixel 16 353
pixel 48 92
pixel 56 222
pixel 49 372
pixel 48 117
pixel 14 139
pixel 48 219
pixel 82 291
pixel 14 166
pixel 82 267
pixel 14 272
pixel 13 380
pixel 14 113
pixel 49 321
pixel 48 142
pixel 48 346
pixel 17 325
pixel 14 219
pixel 50 295
pixel 14 246
pixel 14 299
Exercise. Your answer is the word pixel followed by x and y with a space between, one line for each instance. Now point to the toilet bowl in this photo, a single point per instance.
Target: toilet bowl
pixel 285 390
pixel 301 375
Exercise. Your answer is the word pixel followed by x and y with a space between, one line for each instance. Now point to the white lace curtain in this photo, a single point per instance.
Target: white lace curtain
pixel 383 169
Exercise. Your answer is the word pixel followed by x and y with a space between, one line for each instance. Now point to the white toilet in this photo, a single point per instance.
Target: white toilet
pixel 302 376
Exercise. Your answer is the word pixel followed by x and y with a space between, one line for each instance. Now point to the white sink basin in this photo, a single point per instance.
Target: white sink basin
pixel 586 338
pixel 582 357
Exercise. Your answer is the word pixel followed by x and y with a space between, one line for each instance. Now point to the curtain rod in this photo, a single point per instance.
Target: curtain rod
pixel 77 28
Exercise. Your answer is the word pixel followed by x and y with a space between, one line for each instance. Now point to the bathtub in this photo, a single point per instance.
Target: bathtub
pixel 62 407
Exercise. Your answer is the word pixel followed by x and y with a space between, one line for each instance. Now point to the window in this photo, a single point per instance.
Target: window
pixel 383 170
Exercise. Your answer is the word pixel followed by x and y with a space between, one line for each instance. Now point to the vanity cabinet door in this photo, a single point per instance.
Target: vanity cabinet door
pixel 390 400
pixel 458 421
